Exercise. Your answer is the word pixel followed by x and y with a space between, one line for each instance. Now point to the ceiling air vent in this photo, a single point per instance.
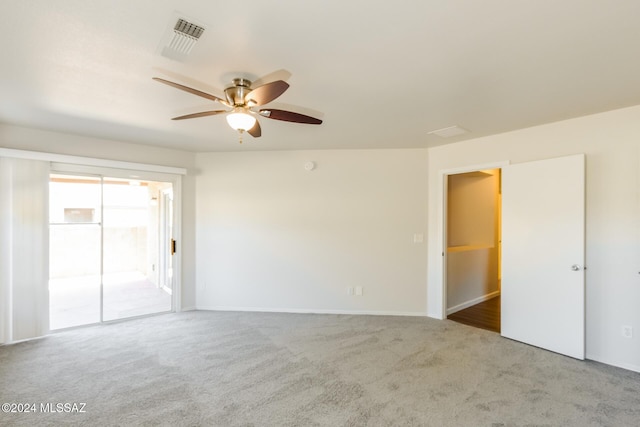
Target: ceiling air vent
pixel 185 36
pixel 448 132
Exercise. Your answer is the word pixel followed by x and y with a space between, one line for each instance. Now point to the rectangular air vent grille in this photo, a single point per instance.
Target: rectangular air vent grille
pixel 185 36
pixel 189 29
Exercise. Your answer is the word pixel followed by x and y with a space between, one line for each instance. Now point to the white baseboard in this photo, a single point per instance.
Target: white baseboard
pixel 313 311
pixel 192 308
pixel 472 302
pixel 24 340
pixel 606 361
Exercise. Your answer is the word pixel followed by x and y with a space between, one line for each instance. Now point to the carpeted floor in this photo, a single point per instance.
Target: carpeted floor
pixel 269 369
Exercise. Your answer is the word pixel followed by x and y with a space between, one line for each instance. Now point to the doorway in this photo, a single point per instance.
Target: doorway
pixel 473 252
pixel 541 252
pixel 107 248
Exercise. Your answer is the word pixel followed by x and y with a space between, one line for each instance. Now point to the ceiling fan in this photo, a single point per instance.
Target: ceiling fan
pixel 241 98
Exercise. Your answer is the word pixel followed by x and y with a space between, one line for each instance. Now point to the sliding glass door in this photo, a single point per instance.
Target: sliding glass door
pixel 75 240
pixel 109 240
pixel 131 249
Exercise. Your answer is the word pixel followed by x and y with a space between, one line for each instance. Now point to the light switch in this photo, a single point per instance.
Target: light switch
pixel 418 238
pixel 359 290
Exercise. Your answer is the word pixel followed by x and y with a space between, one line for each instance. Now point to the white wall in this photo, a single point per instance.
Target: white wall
pixel 23 138
pixel 471 214
pixel 273 236
pixel 472 277
pixel 611 143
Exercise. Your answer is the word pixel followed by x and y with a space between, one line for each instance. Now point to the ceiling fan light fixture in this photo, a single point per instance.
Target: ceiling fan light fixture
pixel 241 120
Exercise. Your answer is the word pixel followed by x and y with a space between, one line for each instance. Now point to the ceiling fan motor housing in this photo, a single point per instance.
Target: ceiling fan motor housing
pixel 236 93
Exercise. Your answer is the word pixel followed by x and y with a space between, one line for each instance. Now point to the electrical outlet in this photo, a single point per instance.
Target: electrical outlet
pixel 359 291
pixel 627 331
pixel 350 290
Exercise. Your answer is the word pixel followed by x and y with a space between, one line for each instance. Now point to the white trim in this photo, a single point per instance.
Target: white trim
pixel 6 344
pixel 474 301
pixel 89 161
pixel 190 308
pixel 177 236
pixel 606 361
pixel 312 311
pixel 475 168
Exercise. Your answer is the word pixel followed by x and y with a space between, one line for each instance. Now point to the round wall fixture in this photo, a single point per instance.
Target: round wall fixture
pixel 309 166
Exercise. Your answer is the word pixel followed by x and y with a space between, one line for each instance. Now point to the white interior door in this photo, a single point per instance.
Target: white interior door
pixel 543 294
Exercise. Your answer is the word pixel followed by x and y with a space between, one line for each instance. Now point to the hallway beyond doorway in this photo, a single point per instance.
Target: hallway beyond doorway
pixel 485 315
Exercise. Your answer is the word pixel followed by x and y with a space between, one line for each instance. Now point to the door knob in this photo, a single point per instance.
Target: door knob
pixel 575 267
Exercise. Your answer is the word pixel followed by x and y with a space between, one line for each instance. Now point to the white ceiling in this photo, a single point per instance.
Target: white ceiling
pixel 380 74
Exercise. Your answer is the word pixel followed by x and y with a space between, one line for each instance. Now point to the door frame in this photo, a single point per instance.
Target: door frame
pixel 446 254
pixel 441 288
pixel 137 174
pixel 166 239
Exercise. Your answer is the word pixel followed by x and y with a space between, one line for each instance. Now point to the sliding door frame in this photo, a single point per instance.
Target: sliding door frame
pixel 134 174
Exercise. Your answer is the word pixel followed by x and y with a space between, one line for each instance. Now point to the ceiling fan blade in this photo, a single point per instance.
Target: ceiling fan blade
pixel 202 114
pixel 266 93
pixel 256 130
pixel 289 116
pixel 190 90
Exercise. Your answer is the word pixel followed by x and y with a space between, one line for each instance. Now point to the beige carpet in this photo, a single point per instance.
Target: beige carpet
pixel 262 369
